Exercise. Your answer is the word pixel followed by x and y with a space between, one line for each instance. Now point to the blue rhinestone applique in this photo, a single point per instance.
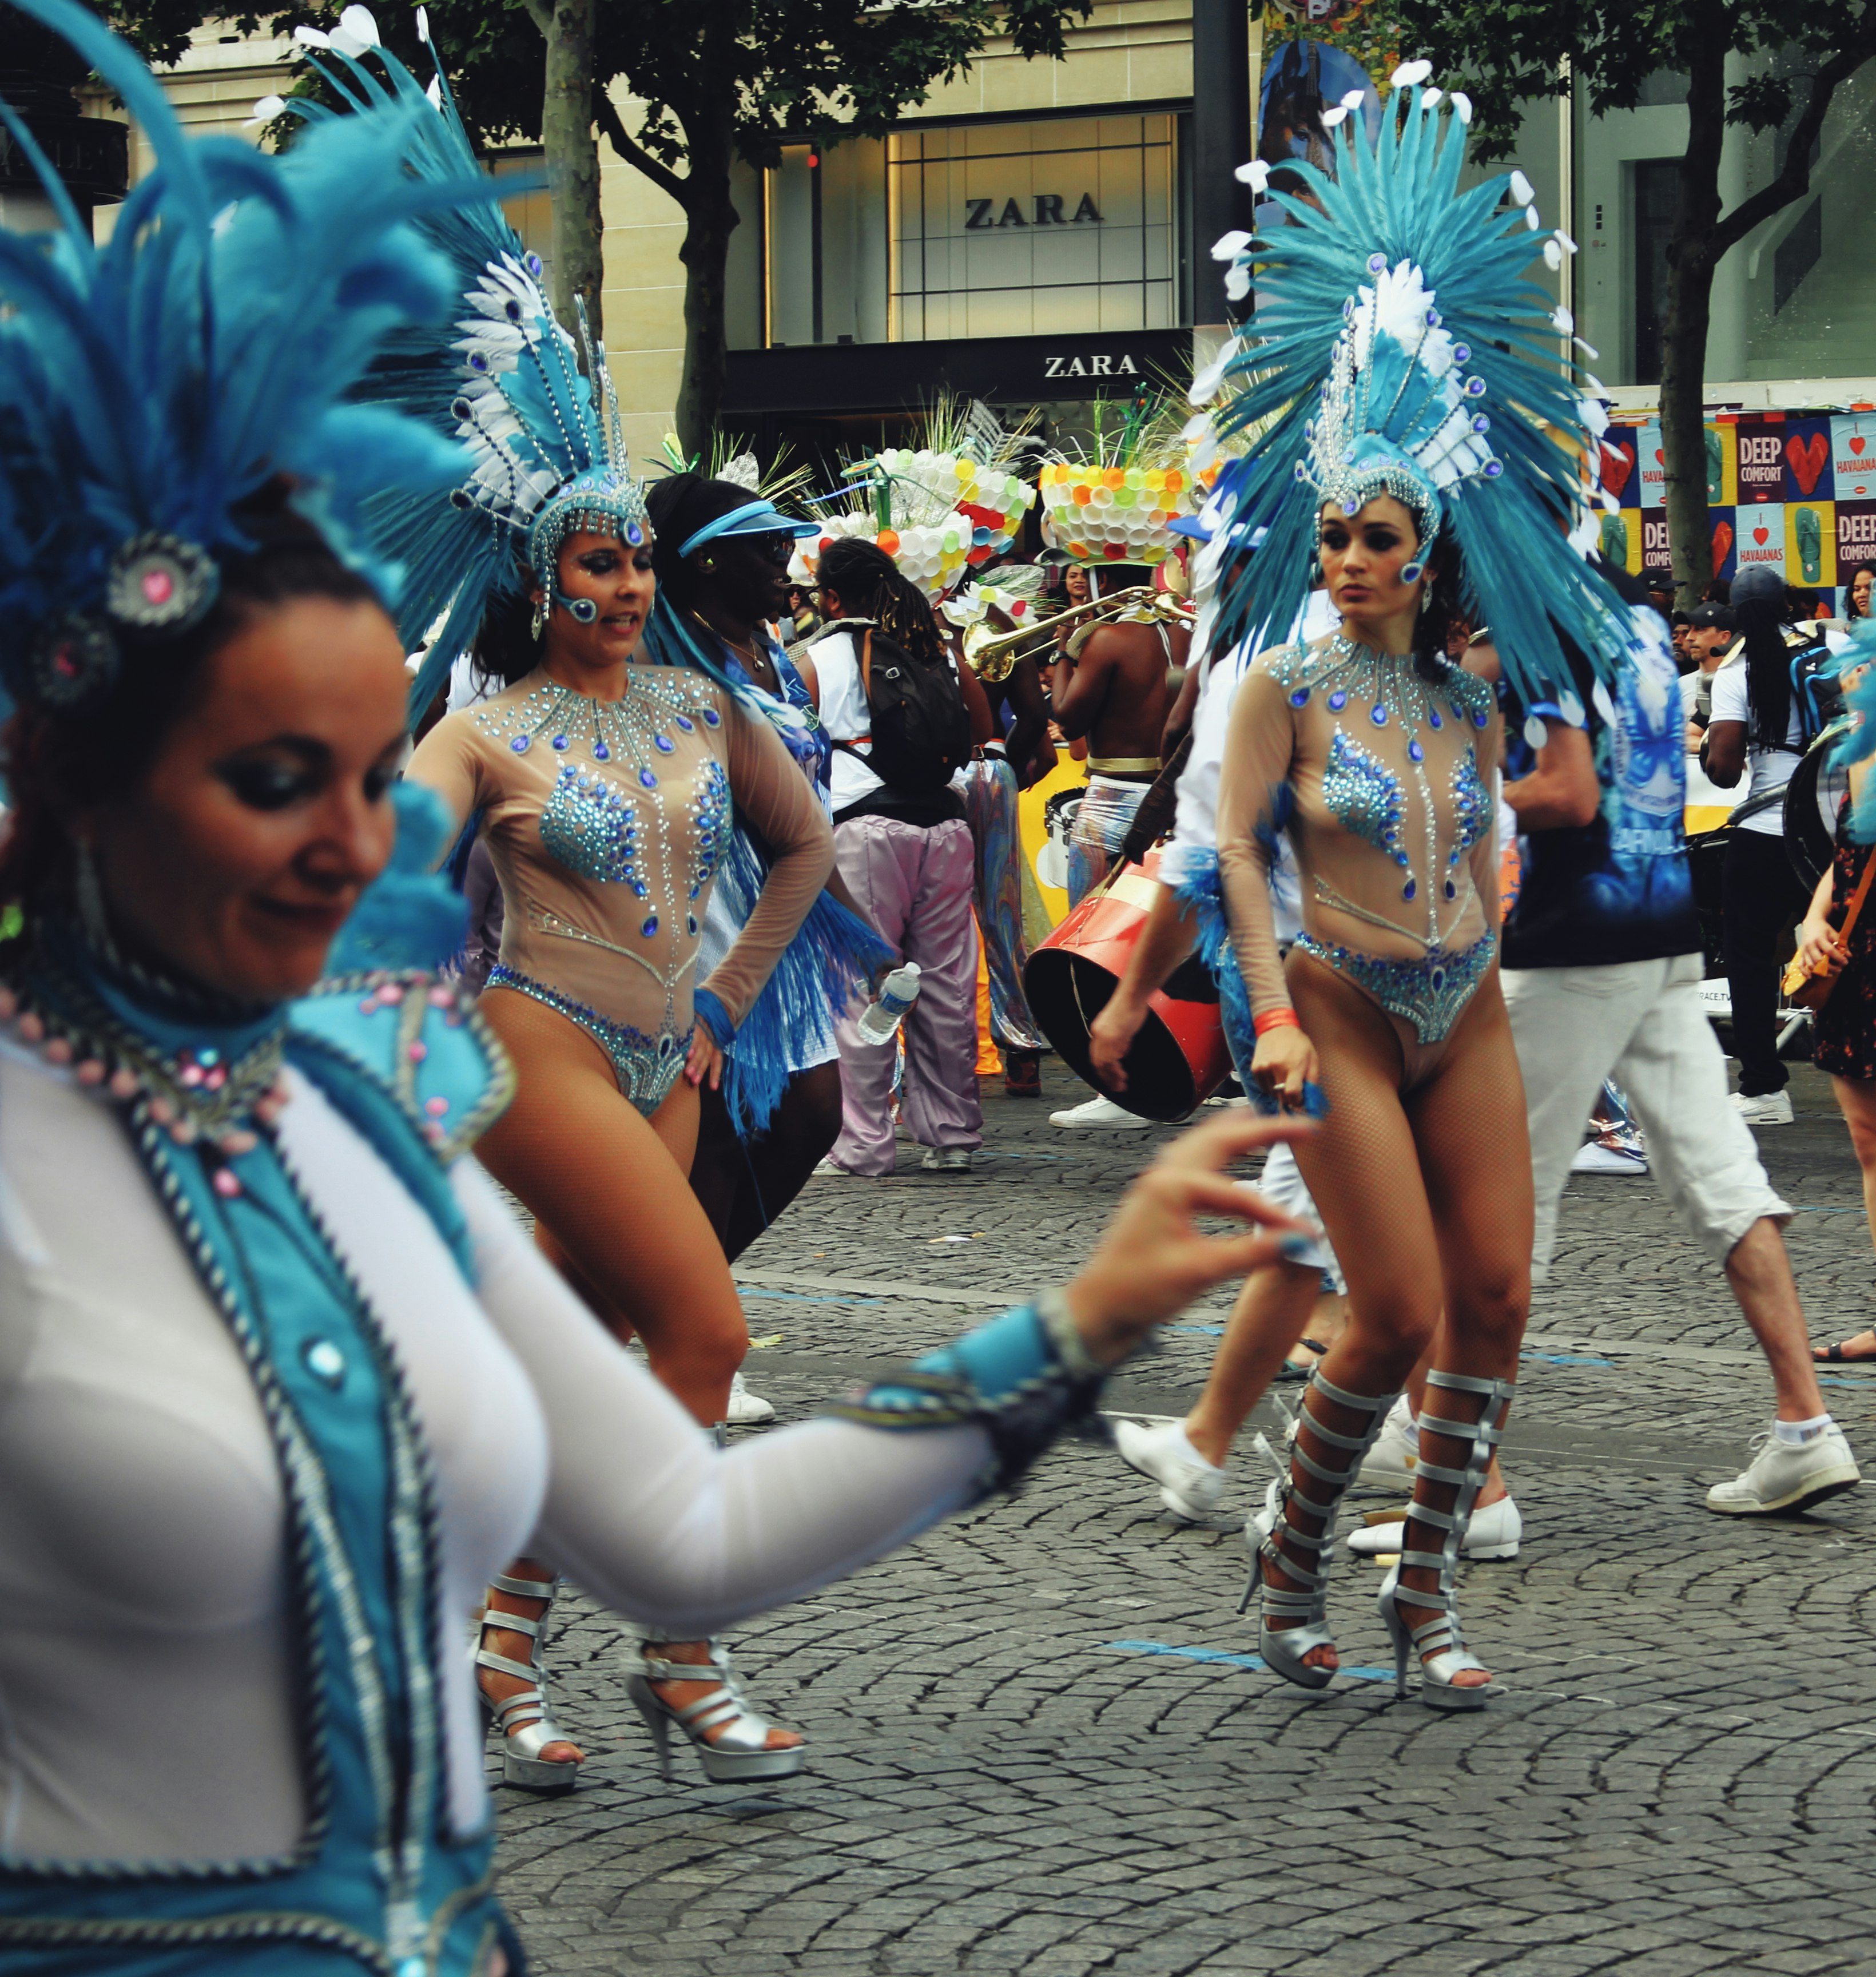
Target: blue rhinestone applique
pixel 1362 796
pixel 712 812
pixel 1430 994
pixel 590 828
pixel 1472 807
pixel 1300 697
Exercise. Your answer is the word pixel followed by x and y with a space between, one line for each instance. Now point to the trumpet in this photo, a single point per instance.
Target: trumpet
pixel 992 657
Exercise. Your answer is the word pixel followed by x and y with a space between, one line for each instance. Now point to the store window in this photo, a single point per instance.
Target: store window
pixel 1025 230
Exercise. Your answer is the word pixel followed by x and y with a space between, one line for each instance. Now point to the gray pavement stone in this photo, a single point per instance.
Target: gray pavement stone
pixel 1679 1781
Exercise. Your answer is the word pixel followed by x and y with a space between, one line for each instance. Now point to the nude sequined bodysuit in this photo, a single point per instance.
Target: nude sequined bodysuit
pixel 1374 771
pixel 607 822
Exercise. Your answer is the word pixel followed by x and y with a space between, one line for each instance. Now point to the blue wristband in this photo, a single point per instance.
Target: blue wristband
pixel 714 1018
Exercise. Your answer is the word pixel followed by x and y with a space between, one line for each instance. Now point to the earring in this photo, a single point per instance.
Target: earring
pixel 1411 572
pixel 1426 600
pixel 540 614
pixel 706 563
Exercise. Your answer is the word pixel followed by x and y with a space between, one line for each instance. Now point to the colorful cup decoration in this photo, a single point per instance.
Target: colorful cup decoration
pixel 1113 514
pixel 932 555
pixel 992 499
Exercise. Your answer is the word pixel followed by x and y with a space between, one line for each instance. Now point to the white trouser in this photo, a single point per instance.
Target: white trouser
pixel 1281 1184
pixel 1641 1022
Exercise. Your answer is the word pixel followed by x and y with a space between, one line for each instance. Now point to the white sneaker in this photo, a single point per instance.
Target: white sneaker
pixel 1769 1108
pixel 1098 1111
pixel 1390 1463
pixel 1784 1478
pixel 946 1159
pixel 1493 1533
pixel 746 1409
pixel 1189 1486
pixel 1593 1157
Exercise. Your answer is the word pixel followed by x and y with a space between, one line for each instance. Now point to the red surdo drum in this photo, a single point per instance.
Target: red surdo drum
pixel 1180 1056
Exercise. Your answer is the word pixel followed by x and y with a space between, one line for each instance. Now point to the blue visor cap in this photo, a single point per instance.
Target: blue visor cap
pixel 753 518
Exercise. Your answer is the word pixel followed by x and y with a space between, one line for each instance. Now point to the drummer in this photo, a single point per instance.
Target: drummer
pixel 1112 684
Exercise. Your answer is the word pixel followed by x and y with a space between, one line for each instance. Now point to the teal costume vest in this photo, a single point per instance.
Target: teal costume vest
pixel 377 1882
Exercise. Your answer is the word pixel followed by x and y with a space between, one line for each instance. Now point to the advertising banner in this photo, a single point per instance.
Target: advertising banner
pixel 1807 450
pixel 1853 456
pixel 1621 539
pixel 1761 544
pixel 1652 472
pixel 1811 544
pixel 1856 537
pixel 1725 542
pixel 1657 559
pixel 1761 455
pixel 1619 476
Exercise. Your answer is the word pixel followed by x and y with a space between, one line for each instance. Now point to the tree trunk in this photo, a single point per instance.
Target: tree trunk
pixel 572 153
pixel 1690 263
pixel 711 218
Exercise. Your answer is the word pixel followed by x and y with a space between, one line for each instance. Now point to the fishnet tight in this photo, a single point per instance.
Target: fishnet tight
pixel 1421 1175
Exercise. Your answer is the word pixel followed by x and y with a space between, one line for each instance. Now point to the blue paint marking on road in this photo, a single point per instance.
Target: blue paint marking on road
pixel 1567 1359
pixel 1210 1330
pixel 1863 1386
pixel 1252 1661
pixel 802 1297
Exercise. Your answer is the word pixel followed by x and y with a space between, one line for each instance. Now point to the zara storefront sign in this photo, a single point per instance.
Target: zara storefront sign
pixel 1100 364
pixel 1048 212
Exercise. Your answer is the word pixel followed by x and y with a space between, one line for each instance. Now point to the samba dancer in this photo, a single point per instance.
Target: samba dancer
pixel 315 1321
pixel 1423 476
pixel 611 790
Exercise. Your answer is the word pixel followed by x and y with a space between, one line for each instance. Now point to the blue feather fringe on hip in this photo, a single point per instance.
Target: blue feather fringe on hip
pixel 818 974
pixel 1200 892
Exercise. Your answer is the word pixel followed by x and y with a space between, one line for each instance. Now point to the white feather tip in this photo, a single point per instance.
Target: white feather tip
pixel 1462 106
pixel 266 108
pixel 423 25
pixel 1409 74
pixel 1332 117
pixel 1256 174
pixel 1521 194
pixel 312 38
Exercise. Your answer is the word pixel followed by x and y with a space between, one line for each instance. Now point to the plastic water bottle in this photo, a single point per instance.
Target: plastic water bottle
pixel 880 1022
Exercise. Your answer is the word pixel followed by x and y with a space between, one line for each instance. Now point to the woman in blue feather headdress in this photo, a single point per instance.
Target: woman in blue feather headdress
pixel 281 1380
pixel 1423 461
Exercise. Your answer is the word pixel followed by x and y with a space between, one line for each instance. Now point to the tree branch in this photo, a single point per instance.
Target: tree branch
pixel 1794 181
pixel 542 16
pixel 635 154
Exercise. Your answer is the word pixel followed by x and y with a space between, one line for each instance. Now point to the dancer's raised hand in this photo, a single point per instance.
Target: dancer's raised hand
pixel 1153 1259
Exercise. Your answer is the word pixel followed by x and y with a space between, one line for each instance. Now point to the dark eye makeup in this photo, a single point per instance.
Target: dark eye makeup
pixel 277 775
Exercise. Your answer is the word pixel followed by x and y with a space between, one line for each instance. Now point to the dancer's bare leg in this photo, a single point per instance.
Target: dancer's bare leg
pixel 613 1208
pixel 1272 1310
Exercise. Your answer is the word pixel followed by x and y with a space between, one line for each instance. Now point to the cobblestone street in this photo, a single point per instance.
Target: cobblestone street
pixel 1040 1742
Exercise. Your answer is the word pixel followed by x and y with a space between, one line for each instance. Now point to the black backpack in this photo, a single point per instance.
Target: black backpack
pixel 921 727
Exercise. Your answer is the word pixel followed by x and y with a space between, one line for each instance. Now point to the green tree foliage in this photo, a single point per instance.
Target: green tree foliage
pixel 1508 51
pixel 718 80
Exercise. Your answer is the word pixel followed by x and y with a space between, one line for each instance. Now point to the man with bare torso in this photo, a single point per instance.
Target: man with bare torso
pixel 1112 684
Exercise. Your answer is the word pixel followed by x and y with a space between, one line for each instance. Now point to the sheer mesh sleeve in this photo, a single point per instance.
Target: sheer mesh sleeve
pixel 642 1512
pixel 774 796
pixel 449 761
pixel 1253 800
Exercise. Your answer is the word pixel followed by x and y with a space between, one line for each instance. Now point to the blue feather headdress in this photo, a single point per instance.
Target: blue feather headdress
pixel 547 457
pixel 149 387
pixel 1398 349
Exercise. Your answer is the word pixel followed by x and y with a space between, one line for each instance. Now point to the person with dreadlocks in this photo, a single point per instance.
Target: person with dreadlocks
pixel 906 854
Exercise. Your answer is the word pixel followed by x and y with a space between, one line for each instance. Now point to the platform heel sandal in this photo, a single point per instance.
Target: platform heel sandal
pixel 523 1719
pixel 1283 1648
pixel 1439 1642
pixel 737 1754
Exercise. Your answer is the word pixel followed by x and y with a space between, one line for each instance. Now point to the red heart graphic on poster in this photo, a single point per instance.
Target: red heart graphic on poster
pixel 1809 459
pixel 1617 464
pixel 1660 457
pixel 1759 536
pixel 1722 545
pixel 1856 442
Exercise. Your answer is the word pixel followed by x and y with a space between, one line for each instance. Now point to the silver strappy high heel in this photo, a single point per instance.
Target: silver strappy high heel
pixel 523 1719
pixel 1439 1642
pixel 1283 1648
pixel 738 1755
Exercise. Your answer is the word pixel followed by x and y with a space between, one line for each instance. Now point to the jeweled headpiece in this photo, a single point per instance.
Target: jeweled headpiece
pixel 149 387
pixel 548 455
pixel 1399 347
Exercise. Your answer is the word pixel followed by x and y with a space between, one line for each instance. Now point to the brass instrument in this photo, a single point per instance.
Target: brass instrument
pixel 992 657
